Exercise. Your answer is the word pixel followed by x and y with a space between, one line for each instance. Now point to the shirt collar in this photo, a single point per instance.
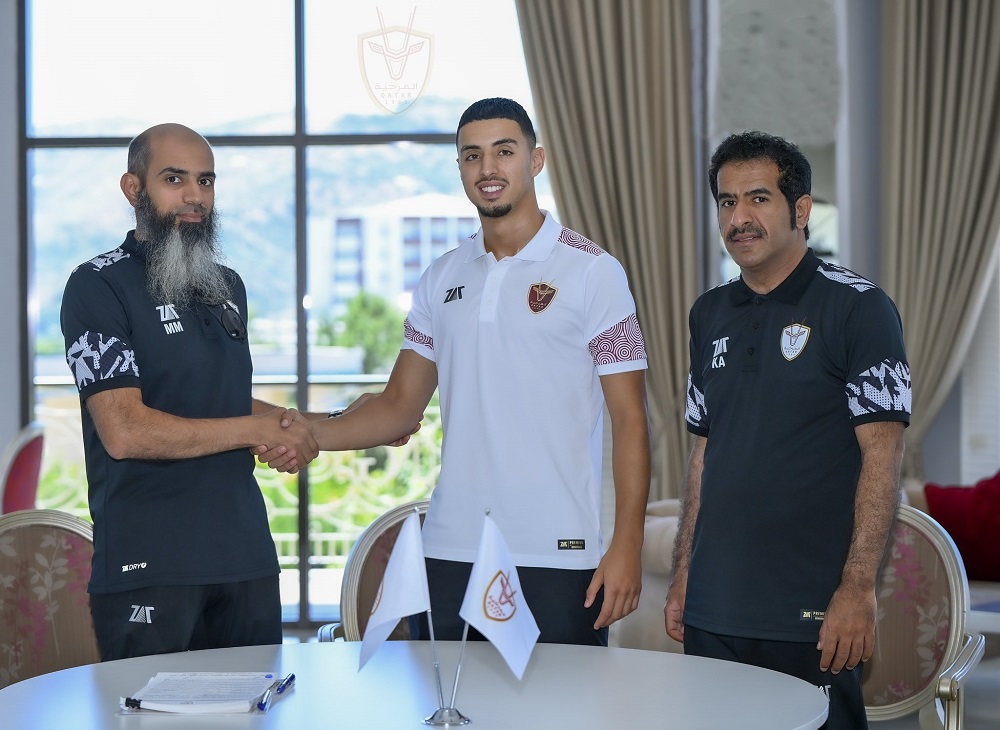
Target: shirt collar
pixel 134 246
pixel 789 291
pixel 537 249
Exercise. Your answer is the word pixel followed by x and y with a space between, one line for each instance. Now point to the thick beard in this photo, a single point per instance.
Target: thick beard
pixel 183 261
pixel 497 211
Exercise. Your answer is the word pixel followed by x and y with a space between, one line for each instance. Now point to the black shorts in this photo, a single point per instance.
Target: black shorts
pixel 555 597
pixel 164 619
pixel 799 659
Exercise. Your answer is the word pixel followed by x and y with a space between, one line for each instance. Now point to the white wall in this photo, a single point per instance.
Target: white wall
pixel 980 396
pixel 858 136
pixel 10 292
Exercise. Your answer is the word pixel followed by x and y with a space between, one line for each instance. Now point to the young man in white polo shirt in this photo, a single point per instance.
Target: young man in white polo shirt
pixel 527 328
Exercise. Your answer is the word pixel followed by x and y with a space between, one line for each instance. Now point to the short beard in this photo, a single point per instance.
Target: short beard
pixel 183 261
pixel 498 211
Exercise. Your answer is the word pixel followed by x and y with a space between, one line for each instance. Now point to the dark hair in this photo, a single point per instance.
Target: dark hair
pixel 140 150
pixel 794 172
pixel 498 108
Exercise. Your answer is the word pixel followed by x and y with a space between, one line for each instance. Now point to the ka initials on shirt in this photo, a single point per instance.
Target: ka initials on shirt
pixel 719 346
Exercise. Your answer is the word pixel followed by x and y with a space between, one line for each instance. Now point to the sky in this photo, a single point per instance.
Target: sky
pixel 210 62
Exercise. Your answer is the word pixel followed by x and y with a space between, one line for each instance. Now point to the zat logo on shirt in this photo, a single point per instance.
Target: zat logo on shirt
pixel 719 349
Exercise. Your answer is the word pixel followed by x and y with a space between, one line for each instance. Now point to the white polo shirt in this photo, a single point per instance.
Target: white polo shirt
pixel 519 346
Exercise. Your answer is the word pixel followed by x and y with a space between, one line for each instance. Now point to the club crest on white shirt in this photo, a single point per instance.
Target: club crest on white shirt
pixel 793 340
pixel 540 296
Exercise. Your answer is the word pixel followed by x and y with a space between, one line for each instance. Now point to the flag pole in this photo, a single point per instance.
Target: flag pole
pixel 458 669
pixel 437 664
pixel 444 716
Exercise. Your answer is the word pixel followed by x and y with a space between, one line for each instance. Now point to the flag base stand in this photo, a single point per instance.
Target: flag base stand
pixel 447 717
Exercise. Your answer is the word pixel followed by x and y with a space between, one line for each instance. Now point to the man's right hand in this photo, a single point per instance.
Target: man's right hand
pixel 673 610
pixel 292 447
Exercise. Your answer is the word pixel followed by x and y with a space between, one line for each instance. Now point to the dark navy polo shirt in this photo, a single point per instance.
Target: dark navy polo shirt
pixel 173 522
pixel 778 383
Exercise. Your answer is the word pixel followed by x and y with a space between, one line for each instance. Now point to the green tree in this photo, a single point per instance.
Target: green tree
pixel 374 324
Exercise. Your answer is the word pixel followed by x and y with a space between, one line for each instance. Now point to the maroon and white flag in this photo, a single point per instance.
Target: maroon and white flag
pixel 494 604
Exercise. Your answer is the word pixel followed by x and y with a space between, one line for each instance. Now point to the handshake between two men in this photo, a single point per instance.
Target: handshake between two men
pixel 304 435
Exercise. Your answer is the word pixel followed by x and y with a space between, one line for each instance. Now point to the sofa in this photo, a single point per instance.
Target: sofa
pixel 982 593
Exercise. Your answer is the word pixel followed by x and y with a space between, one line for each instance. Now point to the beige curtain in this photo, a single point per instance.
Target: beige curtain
pixel 940 186
pixel 611 86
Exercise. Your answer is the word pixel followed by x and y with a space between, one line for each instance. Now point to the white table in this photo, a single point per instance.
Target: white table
pixel 563 687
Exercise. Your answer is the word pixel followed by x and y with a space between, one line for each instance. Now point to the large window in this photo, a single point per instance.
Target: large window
pixel 333 125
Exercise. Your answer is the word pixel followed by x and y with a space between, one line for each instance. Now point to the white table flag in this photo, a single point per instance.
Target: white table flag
pixel 494 603
pixel 403 591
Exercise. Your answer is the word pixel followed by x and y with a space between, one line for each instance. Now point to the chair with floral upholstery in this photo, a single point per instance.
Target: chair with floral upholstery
pixel 363 575
pixel 45 622
pixel 923 652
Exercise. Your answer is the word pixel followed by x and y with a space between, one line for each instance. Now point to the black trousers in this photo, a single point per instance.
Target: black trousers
pixel 164 619
pixel 555 597
pixel 799 659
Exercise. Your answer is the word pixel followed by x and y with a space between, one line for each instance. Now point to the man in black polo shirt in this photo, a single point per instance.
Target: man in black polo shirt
pixel 798 396
pixel 156 338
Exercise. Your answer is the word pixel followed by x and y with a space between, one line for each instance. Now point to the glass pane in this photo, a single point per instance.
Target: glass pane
pixel 255 197
pixel 366 213
pixel 62 482
pixel 116 67
pixel 348 490
pixel 376 66
pixel 377 216
pixel 77 211
pixel 281 497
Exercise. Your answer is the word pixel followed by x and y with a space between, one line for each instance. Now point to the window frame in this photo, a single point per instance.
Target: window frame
pixel 300 141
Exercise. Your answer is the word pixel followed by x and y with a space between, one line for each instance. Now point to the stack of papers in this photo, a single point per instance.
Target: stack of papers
pixel 201 692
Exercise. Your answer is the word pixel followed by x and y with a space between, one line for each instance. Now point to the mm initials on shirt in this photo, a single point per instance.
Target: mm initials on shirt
pixel 719 349
pixel 171 322
pixel 453 294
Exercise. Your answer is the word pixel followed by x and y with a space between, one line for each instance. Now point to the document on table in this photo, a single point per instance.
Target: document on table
pixel 201 692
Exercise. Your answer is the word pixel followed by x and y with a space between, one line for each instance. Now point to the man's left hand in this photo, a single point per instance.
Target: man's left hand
pixel 847 635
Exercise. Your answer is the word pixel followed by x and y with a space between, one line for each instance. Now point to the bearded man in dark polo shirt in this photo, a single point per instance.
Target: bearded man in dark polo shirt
pixel 156 338
pixel 798 395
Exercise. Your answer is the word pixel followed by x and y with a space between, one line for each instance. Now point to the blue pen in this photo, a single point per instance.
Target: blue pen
pixel 285 683
pixel 265 702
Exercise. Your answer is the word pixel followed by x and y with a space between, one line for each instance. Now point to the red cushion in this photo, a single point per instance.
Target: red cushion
pixel 971 515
